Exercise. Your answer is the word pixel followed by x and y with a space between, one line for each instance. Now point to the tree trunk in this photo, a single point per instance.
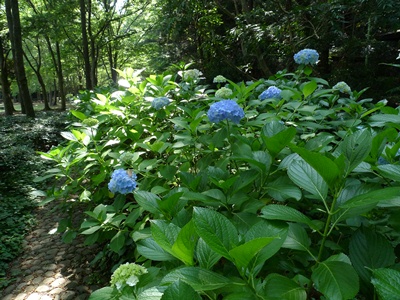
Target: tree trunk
pixel 85 46
pixel 60 77
pixel 5 84
pixel 14 26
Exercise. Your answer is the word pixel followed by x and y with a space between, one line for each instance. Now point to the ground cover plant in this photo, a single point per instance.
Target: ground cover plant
pixel 280 188
pixel 20 138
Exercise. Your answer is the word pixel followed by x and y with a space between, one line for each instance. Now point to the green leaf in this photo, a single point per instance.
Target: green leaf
pixel 198 278
pixel 370 250
pixel 148 201
pixel 322 164
pixel 118 241
pixel 180 290
pixel 281 287
pixel 69 136
pixel 164 234
pixel 283 189
pixel 185 243
pixel 285 213
pixel 205 255
pixel 309 88
pixel 355 148
pixel 361 204
pixel 390 171
pixel 151 250
pixel 303 175
pixel 216 230
pixel 244 253
pixel 80 115
pixel 297 238
pixel 153 293
pixel 336 280
pixel 105 293
pixel 279 140
pixel 387 283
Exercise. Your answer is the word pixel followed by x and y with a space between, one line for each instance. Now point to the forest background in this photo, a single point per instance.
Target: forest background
pixel 73 45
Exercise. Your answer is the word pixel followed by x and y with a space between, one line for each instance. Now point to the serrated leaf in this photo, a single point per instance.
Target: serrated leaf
pixel 205 255
pixel 244 253
pixel 216 230
pixel 148 201
pixel 276 142
pixel 387 283
pixel 185 243
pixel 309 88
pixel 164 234
pixel 285 213
pixel 297 238
pixel 281 287
pixel 68 136
pixel 105 293
pixel 198 278
pixel 180 290
pixel 151 250
pixel 336 280
pixel 283 189
pixel 322 164
pixel 370 250
pixel 117 242
pixel 303 175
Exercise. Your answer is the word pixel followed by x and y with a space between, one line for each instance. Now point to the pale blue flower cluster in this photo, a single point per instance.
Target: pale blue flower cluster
pixel 271 92
pixel 160 102
pixel 219 79
pixel 342 87
pixel 306 56
pixel 123 182
pixel 127 274
pixel 225 110
pixel 223 92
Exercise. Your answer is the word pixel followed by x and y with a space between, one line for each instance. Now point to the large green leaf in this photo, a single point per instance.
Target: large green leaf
pixel 322 164
pixel 281 287
pixel 148 201
pixel 205 255
pixel 363 203
pixel 151 250
pixel 283 189
pixel 165 234
pixel 297 238
pixel 105 293
pixel 244 253
pixel 336 280
pixel 285 213
pixel 276 137
pixel 198 278
pixel 370 250
pixel 118 241
pixel 185 243
pixel 216 230
pixel 387 283
pixel 303 175
pixel 309 88
pixel 355 148
pixel 390 171
pixel 180 290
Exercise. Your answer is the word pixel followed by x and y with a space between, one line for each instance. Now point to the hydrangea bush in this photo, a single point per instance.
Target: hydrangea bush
pixel 264 195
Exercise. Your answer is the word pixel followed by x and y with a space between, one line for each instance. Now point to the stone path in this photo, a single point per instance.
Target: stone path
pixel 49 269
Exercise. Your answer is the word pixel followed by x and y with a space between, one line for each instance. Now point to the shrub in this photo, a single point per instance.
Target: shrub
pixel 287 201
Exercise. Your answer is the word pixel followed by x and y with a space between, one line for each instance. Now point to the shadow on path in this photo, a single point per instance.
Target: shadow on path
pixel 49 269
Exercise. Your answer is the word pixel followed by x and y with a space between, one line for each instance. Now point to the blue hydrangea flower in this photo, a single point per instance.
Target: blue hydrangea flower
pixel 306 56
pixel 159 103
pixel 271 92
pixel 225 110
pixel 122 182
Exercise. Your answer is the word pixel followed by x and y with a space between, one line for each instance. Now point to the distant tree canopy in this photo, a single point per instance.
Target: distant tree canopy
pixel 71 45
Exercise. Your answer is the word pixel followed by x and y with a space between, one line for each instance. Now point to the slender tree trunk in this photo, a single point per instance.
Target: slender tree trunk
pixel 60 77
pixel 14 26
pixel 5 84
pixel 85 46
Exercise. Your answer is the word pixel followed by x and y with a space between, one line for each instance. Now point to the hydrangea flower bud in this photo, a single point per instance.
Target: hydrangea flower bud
pixel 271 92
pixel 122 182
pixel 342 87
pixel 192 74
pixel 225 110
pixel 159 103
pixel 219 79
pixel 306 56
pixel 127 274
pixel 90 122
pixel 223 92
